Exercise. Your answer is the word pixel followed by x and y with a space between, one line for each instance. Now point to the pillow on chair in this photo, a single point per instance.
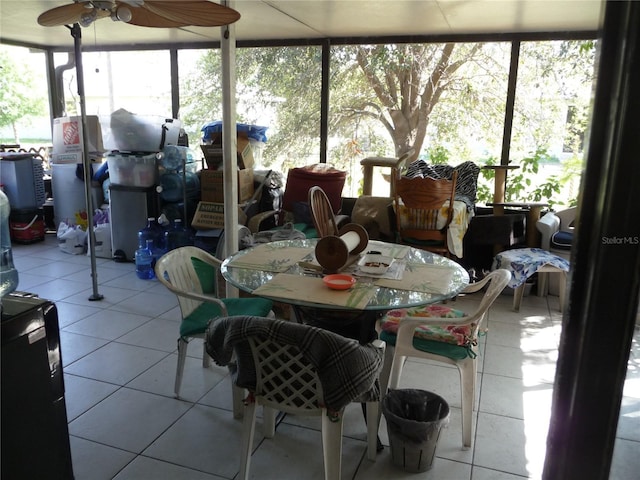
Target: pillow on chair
pixel 449 340
pixel 562 240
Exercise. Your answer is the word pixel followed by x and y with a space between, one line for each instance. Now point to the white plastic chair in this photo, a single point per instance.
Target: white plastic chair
pixel 402 345
pixel 286 362
pixel 191 274
pixel 553 222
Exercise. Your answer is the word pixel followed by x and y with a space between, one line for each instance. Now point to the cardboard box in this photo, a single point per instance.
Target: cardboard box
pixel 67 135
pixel 212 185
pixel 210 215
pixel 213 152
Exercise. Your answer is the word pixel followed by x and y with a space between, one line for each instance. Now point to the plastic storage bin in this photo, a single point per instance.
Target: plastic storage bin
pixel 129 132
pixel 414 421
pixel 132 170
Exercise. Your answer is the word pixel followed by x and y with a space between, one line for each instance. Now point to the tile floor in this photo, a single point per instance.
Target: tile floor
pixel 119 359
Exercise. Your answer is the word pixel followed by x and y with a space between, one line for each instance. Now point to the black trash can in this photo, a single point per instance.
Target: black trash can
pixel 414 422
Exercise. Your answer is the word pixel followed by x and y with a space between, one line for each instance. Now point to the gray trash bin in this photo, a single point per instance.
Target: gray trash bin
pixel 414 421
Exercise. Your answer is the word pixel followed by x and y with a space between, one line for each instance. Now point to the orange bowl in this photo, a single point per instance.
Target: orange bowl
pixel 339 281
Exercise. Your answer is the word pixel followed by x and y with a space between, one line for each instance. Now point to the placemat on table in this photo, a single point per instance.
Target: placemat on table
pixel 390 249
pixel 313 290
pixel 270 257
pixel 420 278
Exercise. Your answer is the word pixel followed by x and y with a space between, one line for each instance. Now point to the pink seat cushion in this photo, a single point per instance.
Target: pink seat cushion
pixel 452 334
pixel 455 342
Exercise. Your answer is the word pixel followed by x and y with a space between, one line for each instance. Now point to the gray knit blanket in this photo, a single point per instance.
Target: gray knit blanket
pixel 347 370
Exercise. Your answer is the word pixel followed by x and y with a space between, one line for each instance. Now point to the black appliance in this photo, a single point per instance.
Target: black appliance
pixel 35 435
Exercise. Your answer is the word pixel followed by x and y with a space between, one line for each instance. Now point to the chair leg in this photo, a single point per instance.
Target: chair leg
pixel 396 370
pixel 182 357
pixel 206 359
pixel 269 421
pixel 468 374
pixel 332 446
pixel 248 431
pixel 543 284
pixel 518 293
pixel 373 422
pixel 237 399
pixel 385 372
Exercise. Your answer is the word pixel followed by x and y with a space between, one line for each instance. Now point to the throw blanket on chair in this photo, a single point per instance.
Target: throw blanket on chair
pixel 466 185
pixel 347 370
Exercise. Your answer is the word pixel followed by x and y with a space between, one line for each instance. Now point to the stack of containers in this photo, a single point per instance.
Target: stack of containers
pixel 212 178
pixel 135 143
pixel 179 184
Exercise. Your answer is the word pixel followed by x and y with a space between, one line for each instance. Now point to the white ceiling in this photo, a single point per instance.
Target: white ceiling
pixel 318 19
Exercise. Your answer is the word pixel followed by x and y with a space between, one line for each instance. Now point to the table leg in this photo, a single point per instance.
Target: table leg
pixel 518 293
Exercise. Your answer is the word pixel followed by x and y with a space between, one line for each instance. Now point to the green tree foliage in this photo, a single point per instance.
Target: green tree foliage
pixel 284 81
pixel 398 86
pixel 17 100
pixel 446 101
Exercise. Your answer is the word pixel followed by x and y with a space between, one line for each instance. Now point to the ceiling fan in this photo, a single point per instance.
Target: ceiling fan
pixel 144 13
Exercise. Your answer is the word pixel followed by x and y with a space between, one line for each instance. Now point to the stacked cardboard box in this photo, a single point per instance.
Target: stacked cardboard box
pixel 212 181
pixel 67 139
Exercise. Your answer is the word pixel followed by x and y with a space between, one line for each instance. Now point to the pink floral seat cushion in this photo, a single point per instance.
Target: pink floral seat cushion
pixel 450 340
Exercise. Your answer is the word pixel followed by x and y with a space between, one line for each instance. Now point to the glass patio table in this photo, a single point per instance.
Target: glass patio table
pixel 280 271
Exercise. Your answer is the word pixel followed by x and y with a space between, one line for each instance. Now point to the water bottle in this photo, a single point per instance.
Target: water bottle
pixel 159 242
pixel 174 157
pixel 144 262
pixel 170 158
pixel 178 236
pixel 172 186
pixel 154 232
pixel 8 272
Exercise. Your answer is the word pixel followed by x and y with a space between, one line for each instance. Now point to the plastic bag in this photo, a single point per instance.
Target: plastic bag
pixel 71 239
pixel 102 234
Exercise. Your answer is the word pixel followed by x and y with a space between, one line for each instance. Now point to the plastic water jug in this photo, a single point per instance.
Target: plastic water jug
pixel 172 186
pixel 144 261
pixel 178 235
pixel 174 157
pixel 154 232
pixel 8 272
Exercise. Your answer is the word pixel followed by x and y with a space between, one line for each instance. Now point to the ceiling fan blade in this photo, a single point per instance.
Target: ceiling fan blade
pixel 151 13
pixel 64 15
pixel 69 14
pixel 197 13
pixel 143 17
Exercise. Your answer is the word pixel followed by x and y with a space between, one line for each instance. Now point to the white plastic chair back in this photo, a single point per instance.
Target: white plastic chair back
pixel 285 379
pixel 395 356
pixel 175 271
